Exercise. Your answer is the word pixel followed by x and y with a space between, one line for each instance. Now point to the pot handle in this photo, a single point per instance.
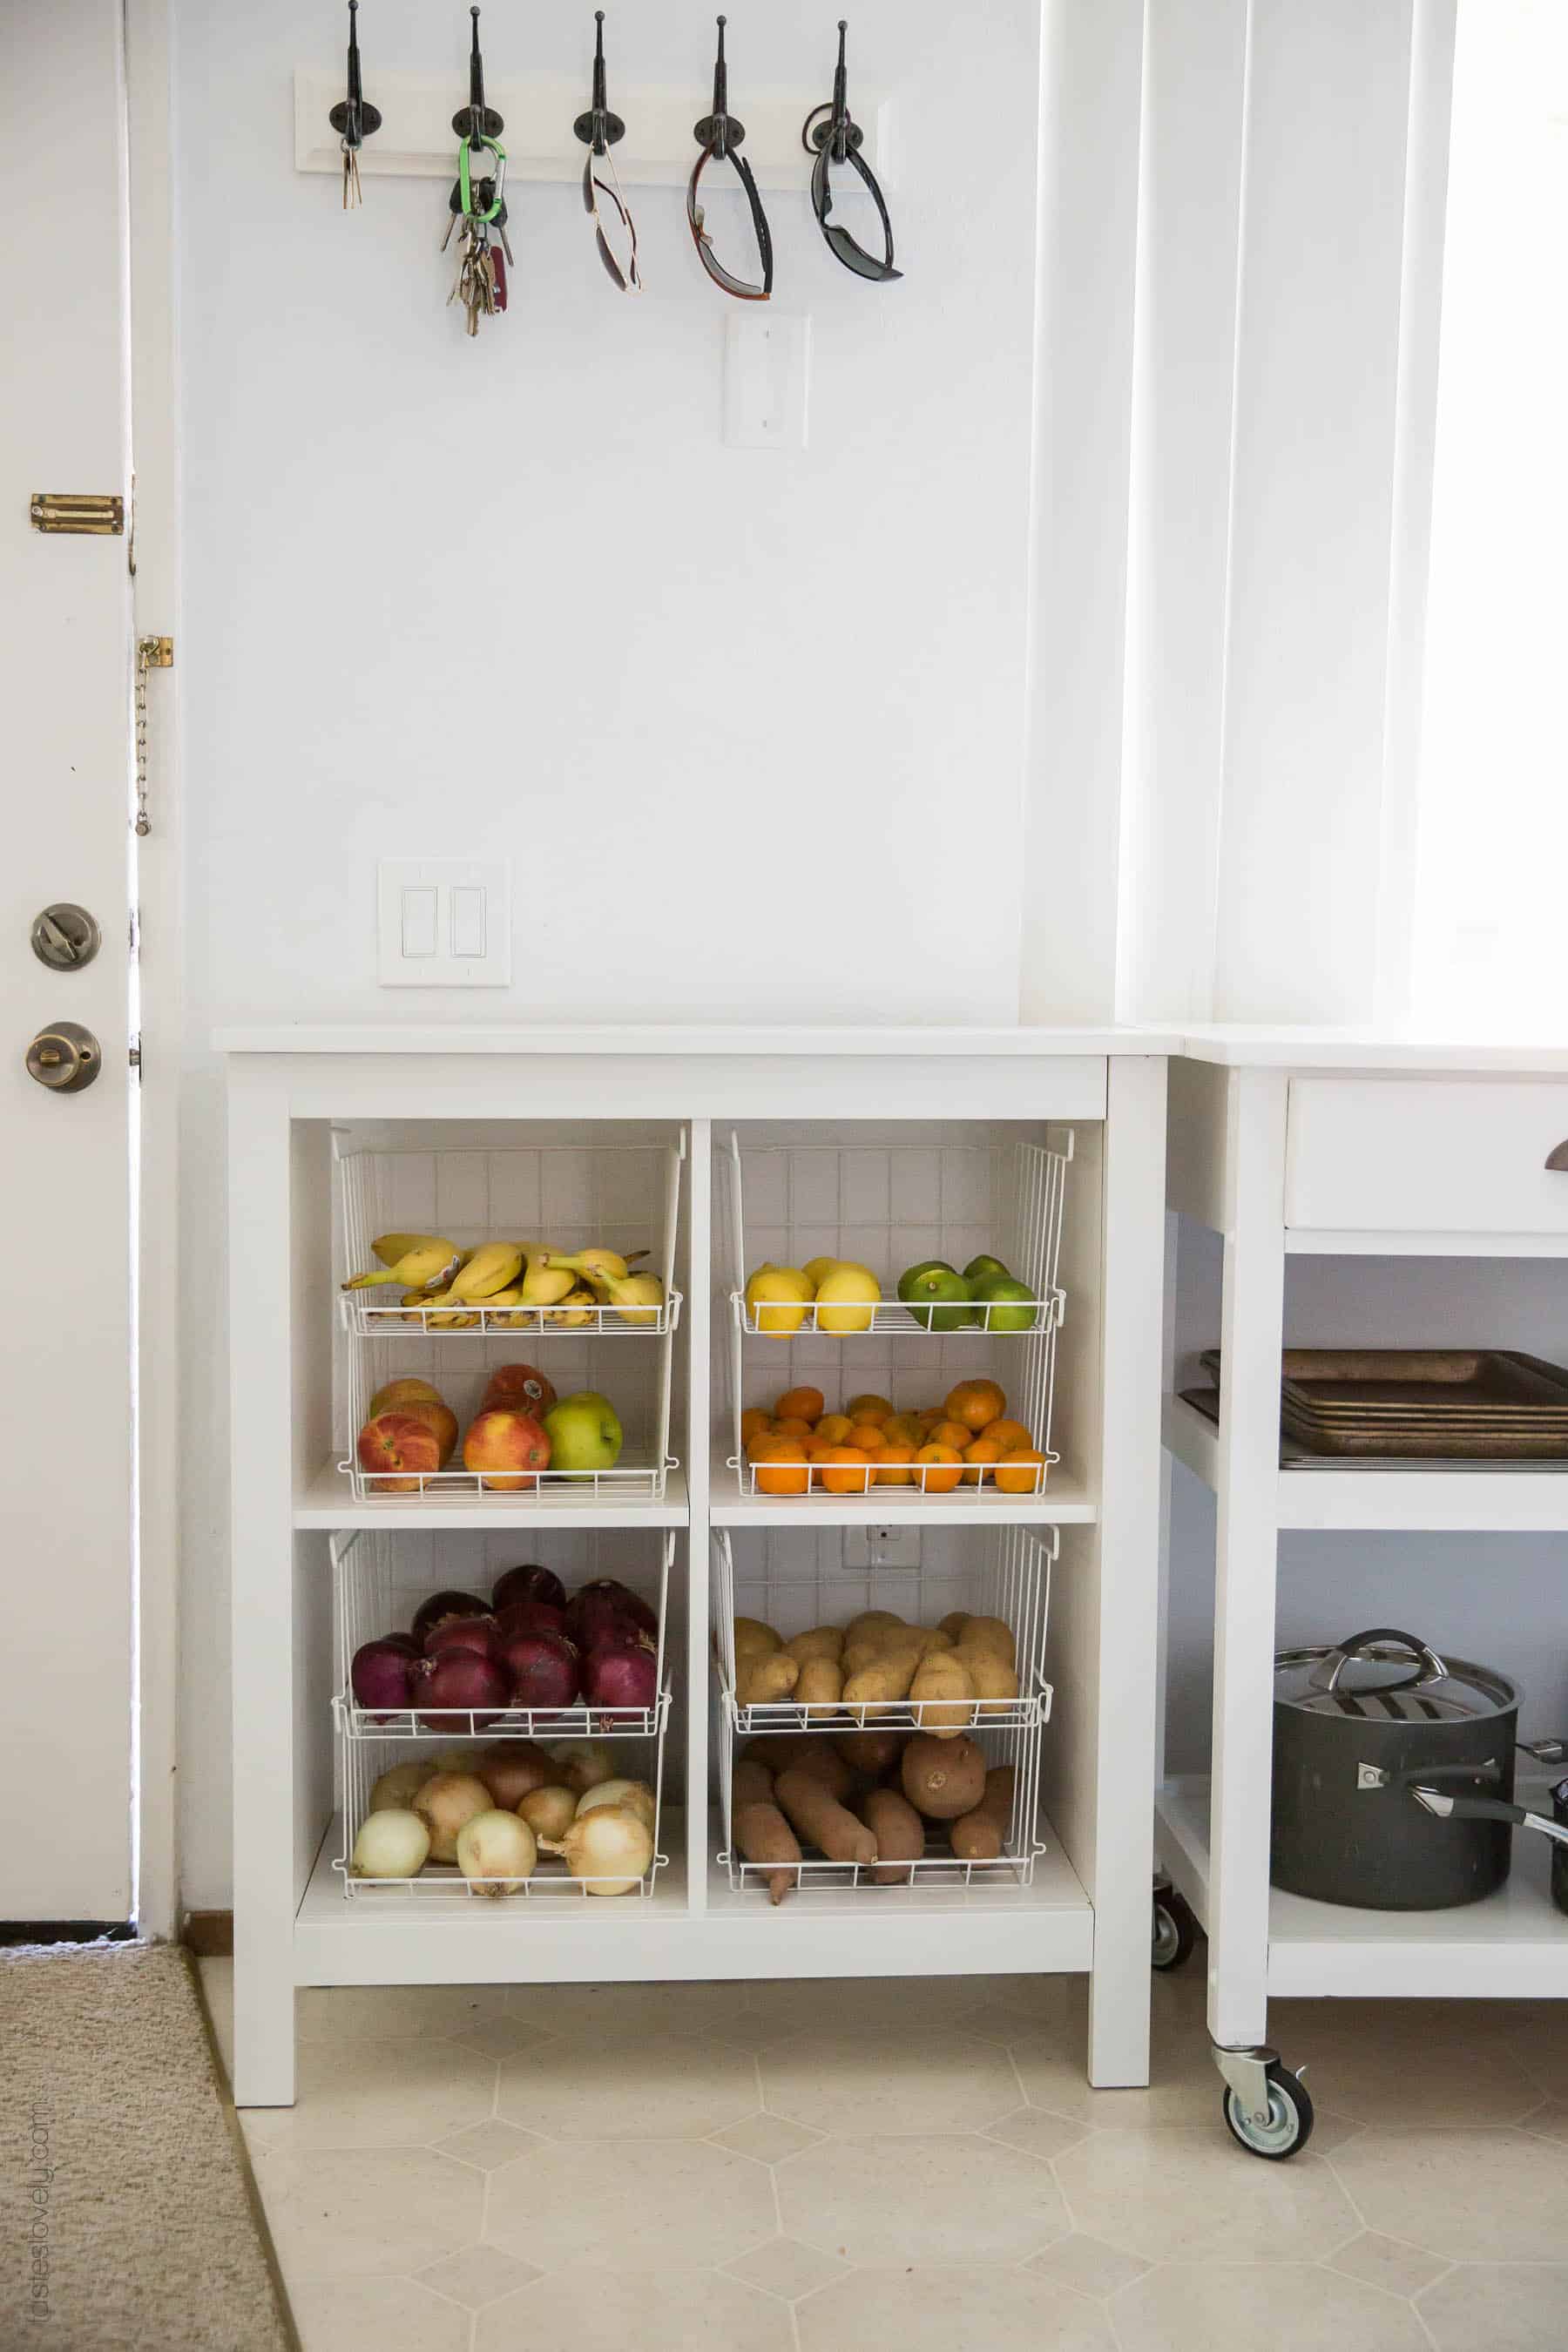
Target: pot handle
pixel 1430 1666
pixel 1445 1808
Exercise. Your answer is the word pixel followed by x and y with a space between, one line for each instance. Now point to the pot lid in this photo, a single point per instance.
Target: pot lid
pixel 1387 1676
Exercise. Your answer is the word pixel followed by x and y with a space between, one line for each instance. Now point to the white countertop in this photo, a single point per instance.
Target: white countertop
pixel 1237 1045
pixel 1249 1045
pixel 744 1038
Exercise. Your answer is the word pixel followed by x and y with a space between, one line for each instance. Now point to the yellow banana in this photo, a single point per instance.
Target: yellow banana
pixel 545 1284
pixel 447 1322
pixel 638 1297
pixel 390 1247
pixel 580 1308
pixel 591 1262
pixel 492 1267
pixel 427 1266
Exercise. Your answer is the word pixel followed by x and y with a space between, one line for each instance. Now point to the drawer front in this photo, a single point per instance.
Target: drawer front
pixel 1424 1156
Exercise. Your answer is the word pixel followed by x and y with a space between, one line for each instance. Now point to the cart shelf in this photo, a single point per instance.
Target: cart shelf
pixel 1511 1946
pixel 1520 1498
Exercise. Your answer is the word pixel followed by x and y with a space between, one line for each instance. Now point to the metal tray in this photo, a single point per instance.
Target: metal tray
pixel 1296 1455
pixel 1435 1387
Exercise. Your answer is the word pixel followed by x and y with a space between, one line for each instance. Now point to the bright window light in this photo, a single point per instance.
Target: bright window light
pixel 1491 940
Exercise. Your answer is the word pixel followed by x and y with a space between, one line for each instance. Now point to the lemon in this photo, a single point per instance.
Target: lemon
pixel 777 1295
pixel 845 1300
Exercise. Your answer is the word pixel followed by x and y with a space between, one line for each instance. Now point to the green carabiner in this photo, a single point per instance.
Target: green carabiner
pixel 465 177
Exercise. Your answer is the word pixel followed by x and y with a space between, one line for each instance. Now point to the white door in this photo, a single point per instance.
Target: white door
pixel 67 1556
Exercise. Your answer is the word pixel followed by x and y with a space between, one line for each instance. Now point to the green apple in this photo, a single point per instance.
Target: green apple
pixel 936 1297
pixel 999 1294
pixel 584 1432
pixel 984 1269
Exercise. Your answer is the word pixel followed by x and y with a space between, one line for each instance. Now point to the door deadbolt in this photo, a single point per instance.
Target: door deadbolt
pixel 64 937
pixel 64 1058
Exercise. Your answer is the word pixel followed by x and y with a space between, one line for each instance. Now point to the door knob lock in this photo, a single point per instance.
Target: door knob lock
pixel 64 1058
pixel 64 937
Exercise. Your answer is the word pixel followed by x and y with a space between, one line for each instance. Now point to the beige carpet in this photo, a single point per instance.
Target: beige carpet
pixel 127 2222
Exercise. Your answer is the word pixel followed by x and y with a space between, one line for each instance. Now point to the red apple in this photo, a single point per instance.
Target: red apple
pixel 511 1442
pixel 397 1395
pixel 396 1441
pixel 520 1388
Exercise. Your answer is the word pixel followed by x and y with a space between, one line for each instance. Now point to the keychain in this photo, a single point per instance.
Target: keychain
pixel 478 200
pixel 354 119
pixel 831 135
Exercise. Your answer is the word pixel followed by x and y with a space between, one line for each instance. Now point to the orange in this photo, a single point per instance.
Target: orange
pixel 974 1402
pixel 903 1429
pixel 983 1450
pixel 934 1460
pixel 1006 1434
pixel 834 1428
pixel 754 1422
pixel 868 1435
pixel 956 1433
pixel 844 1470
pixel 792 1425
pixel 869 1407
pixel 800 1404
pixel 889 1467
pixel 929 1415
pixel 760 1443
pixel 1020 1472
pixel 780 1468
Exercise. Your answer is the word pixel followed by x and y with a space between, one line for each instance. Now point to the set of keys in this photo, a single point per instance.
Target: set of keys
pixel 484 255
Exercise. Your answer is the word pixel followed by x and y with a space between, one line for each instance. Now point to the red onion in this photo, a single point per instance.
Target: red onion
pixel 622 1673
pixel 542 1668
pixel 382 1679
pixel 404 1641
pixel 476 1633
pixel 529 1617
pixel 462 1682
pixel 605 1612
pixel 528 1584
pixel 442 1605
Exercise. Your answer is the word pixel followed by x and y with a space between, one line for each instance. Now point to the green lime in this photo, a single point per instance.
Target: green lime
pixel 1000 1295
pixel 984 1269
pixel 937 1298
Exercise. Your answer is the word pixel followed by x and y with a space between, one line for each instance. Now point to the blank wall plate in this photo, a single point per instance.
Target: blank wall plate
pixel 767 367
pixel 882 1546
pixel 443 922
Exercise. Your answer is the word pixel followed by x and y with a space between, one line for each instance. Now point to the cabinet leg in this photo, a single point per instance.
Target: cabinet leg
pixel 263 2032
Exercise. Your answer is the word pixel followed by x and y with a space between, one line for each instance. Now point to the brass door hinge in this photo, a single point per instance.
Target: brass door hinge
pixel 99 516
pixel 154 653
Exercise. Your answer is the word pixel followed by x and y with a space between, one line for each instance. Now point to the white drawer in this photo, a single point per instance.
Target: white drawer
pixel 1426 1156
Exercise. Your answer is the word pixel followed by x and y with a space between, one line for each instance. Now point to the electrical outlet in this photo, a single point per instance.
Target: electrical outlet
pixel 882 1546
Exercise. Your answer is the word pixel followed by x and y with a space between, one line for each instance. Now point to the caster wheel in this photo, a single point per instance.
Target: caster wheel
pixel 1289 2123
pixel 1175 1933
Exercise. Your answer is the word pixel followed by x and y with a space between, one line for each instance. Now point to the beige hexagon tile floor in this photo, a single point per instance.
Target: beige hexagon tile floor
pixel 904 2168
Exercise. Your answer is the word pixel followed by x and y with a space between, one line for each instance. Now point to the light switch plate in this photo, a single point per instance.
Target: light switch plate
pixel 443 922
pixel 767 366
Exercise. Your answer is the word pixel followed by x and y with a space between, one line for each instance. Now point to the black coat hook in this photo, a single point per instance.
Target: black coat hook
pixel 353 118
pixel 831 133
pixel 599 129
pixel 719 134
pixel 477 120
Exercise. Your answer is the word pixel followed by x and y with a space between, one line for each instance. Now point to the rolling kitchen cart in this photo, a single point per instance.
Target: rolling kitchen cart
pixel 1296 1149
pixel 887 1145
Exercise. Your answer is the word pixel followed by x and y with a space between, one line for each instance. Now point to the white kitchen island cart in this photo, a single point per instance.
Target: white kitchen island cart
pixel 1045 1143
pixel 1362 1193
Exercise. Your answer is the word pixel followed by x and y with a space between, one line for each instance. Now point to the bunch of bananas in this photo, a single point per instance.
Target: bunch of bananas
pixel 520 1286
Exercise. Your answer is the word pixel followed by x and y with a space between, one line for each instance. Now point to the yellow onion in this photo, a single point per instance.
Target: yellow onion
pixel 635 1795
pixel 607 1848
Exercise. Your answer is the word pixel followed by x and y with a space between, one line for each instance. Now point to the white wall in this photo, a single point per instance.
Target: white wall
pixel 751 727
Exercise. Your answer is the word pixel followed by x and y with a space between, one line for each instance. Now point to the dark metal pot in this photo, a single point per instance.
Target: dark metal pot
pixel 1393 1775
